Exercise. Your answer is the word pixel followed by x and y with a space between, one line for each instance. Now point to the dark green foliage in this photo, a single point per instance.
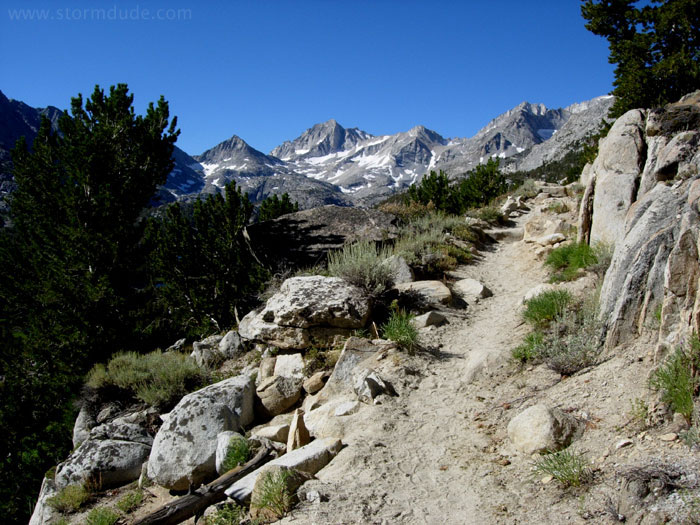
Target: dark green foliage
pixel 477 188
pixel 238 452
pixel 545 307
pixel 202 267
pixel 273 207
pixel 655 48
pixel 678 378
pixel 73 287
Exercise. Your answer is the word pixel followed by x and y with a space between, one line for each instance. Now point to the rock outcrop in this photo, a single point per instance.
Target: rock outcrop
pixel 307 310
pixel 643 198
pixel 184 449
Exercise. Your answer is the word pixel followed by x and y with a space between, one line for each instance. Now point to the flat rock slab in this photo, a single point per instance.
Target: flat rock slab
pixel 434 291
pixel 471 289
pixel 310 459
pixel 428 319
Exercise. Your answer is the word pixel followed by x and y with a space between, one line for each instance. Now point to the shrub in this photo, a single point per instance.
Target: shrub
pixel 558 207
pixel 275 497
pixel 130 501
pixel 529 350
pixel 228 514
pixel 316 359
pixel 639 412
pixel 573 342
pixel 157 378
pixel 102 516
pixel 568 259
pixel 399 329
pixel 360 264
pixel 408 210
pixel 677 379
pixel 603 252
pixel 545 307
pixel 70 498
pixel 528 189
pixel 570 468
pixel 489 214
pixel 237 454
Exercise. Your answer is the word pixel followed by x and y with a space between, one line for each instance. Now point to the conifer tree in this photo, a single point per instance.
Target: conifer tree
pixel 655 48
pixel 70 289
pixel 274 206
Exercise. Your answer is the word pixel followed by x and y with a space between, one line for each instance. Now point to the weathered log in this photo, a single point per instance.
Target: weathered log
pixel 187 506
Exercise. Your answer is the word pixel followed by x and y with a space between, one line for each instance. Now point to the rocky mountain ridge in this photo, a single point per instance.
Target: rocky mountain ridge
pixel 329 164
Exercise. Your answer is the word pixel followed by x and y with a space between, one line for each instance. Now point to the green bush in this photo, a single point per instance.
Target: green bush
pixel 70 498
pixel 528 189
pixel 158 379
pixel 228 514
pixel 529 350
pixel 102 516
pixel 677 379
pixel 130 501
pixel 567 260
pixel 238 452
pixel 573 343
pixel 360 264
pixel 274 206
pixel 316 359
pixel 399 329
pixel 570 468
pixel 542 309
pixel 489 214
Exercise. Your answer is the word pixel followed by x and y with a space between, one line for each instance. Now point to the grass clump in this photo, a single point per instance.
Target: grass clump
pixel 399 329
pixel 567 260
pixel 102 516
pixel 529 349
pixel 558 207
pixel 70 498
pixel 542 309
pixel 158 379
pixel 360 264
pixel 238 452
pixel 316 359
pixel 274 499
pixel 489 214
pixel 677 379
pixel 228 514
pixel 130 501
pixel 569 468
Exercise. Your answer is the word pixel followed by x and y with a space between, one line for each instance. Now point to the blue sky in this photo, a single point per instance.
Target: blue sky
pixel 266 70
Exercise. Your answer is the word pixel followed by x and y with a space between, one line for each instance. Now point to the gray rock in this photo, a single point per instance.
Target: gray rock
pixel 540 429
pixel 278 433
pixel 267 368
pixel 551 239
pixel 617 171
pixel 43 512
pixel 223 443
pixel 316 382
pixel 231 345
pixel 184 449
pixel 431 318
pixel 176 346
pixel 400 269
pixel 289 365
pixel 307 309
pixel 278 393
pixel 298 433
pixel 206 352
pixel 111 462
pixel 435 292
pixel 121 430
pixel 471 290
pixel 369 385
pixel 310 459
pixel 83 423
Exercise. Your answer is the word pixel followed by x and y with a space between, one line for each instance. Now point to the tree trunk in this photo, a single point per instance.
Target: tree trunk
pixel 187 506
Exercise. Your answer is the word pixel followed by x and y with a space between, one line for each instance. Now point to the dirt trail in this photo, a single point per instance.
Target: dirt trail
pixel 422 458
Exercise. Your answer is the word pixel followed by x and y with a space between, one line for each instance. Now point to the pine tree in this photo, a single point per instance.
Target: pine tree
pixel 70 290
pixel 202 268
pixel 273 207
pixel 656 49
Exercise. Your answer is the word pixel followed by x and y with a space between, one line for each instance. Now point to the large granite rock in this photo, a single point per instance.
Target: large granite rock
pixel 540 429
pixel 307 310
pixel 184 449
pixel 434 292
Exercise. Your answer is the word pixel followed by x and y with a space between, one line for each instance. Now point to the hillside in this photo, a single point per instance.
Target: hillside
pixel 462 426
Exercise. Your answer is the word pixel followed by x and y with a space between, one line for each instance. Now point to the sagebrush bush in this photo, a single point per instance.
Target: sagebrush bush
pixel 570 468
pixel 316 359
pixel 399 329
pixel 567 260
pixel 70 498
pixel 545 307
pixel 360 263
pixel 489 214
pixel 158 379
pixel 528 189
pixel 677 378
pixel 573 342
pixel 407 211
pixel 102 516
pixel 238 452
